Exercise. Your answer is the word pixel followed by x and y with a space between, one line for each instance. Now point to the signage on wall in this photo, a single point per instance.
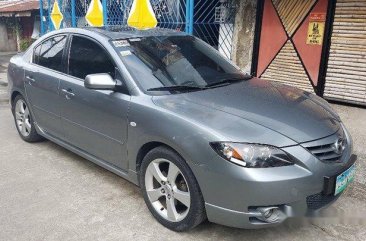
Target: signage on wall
pixel 316 29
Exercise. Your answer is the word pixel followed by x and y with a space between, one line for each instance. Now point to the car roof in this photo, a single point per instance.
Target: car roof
pixel 118 32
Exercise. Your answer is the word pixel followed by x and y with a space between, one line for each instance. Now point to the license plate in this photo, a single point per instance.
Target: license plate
pixel 344 179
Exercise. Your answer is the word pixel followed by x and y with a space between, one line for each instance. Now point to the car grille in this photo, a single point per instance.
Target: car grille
pixel 325 153
pixel 324 149
pixel 319 200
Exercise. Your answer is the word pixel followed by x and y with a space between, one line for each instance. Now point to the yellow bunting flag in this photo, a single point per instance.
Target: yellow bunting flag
pixel 94 15
pixel 142 15
pixel 56 15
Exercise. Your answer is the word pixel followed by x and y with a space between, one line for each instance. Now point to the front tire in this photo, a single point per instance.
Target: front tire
pixel 170 190
pixel 24 120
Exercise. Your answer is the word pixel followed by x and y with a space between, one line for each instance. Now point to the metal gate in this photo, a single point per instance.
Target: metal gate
pixel 212 21
pixel 291 41
pixel 346 73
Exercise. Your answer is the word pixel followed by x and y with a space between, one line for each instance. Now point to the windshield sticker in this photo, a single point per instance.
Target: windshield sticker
pixel 135 39
pixel 125 53
pixel 121 43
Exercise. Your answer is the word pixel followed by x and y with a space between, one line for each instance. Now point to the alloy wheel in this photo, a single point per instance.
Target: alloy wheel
pixel 22 118
pixel 167 190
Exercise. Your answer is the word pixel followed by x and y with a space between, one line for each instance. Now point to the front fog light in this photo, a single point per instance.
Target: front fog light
pixel 252 155
pixel 271 214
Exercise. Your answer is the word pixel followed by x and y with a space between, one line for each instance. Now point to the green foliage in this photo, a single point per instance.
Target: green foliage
pixel 12 23
pixel 25 43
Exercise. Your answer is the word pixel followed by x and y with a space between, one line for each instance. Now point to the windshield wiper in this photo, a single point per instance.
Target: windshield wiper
pixel 177 88
pixel 228 81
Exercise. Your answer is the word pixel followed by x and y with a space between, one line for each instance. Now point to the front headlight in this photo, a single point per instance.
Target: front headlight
pixel 252 155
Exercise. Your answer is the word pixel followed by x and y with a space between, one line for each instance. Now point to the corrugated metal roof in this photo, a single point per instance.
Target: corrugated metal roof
pixel 16 6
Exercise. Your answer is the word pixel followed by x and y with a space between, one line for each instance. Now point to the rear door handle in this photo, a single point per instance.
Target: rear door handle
pixel 68 93
pixel 30 79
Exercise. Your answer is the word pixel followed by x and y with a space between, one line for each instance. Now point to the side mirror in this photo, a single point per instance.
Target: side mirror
pixel 99 82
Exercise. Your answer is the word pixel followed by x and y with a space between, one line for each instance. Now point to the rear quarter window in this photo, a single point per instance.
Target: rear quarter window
pixel 36 54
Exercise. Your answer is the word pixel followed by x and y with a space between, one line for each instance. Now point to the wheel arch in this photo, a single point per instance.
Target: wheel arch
pixel 144 149
pixel 13 96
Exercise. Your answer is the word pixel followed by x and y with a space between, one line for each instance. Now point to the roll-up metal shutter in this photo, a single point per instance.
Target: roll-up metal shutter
pixel 346 72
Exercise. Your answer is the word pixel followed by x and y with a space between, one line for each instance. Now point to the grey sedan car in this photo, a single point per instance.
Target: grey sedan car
pixel 167 112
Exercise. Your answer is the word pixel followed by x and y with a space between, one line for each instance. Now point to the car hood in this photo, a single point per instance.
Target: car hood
pixel 283 109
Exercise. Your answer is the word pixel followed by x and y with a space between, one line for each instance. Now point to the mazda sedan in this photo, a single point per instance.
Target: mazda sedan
pixel 167 112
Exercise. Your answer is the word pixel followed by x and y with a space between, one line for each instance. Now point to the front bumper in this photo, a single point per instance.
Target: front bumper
pixel 305 205
pixel 232 193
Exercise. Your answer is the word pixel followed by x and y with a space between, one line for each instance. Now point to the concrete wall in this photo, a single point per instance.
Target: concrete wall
pixel 7 40
pixel 244 33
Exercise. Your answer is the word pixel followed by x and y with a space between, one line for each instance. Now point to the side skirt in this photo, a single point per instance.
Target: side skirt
pixel 130 176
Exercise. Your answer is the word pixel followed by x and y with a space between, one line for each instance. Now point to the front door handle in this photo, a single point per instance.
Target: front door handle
pixel 68 93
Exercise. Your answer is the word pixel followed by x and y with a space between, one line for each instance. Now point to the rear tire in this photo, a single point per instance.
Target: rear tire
pixel 24 120
pixel 170 190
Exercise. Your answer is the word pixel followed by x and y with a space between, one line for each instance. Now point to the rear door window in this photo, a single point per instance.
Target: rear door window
pixel 49 53
pixel 88 57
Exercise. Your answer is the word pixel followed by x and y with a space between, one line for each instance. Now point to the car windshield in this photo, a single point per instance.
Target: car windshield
pixel 166 63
